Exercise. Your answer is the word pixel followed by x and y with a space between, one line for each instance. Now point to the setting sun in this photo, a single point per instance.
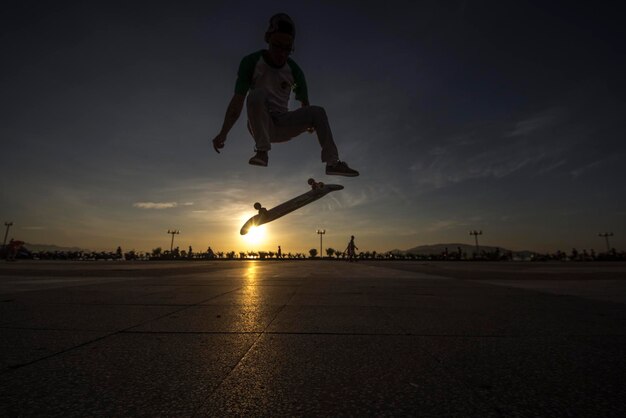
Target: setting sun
pixel 255 236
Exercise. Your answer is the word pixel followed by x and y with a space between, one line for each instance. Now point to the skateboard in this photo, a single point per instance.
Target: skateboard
pixel 318 190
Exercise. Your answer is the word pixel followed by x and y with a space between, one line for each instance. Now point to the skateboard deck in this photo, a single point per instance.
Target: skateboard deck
pixel 318 190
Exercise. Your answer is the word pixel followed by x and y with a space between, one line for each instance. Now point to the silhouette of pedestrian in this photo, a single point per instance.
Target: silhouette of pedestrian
pixel 13 249
pixel 279 254
pixel 351 250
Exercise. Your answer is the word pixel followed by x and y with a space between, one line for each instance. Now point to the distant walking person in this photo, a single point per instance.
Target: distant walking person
pixel 351 250
pixel 13 248
pixel 268 77
pixel 279 254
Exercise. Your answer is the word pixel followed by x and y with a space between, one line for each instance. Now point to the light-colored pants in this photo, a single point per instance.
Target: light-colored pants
pixel 267 127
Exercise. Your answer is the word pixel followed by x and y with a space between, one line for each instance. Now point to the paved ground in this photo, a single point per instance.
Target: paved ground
pixel 313 338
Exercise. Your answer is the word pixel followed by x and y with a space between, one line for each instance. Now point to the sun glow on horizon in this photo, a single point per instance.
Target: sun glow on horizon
pixel 256 235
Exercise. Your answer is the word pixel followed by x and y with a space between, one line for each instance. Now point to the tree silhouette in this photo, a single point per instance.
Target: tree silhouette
pixel 131 255
pixel 313 252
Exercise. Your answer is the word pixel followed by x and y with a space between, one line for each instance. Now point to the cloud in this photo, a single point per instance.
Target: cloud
pixel 579 171
pixel 535 123
pixel 550 168
pixel 155 205
pixel 440 225
pixel 495 163
pixel 494 151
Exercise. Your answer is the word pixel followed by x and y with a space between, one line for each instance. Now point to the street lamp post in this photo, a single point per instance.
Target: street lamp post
pixel 321 232
pixel 476 234
pixel 173 232
pixel 6 234
pixel 606 236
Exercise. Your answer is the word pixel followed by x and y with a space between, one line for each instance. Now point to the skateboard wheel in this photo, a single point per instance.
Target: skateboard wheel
pixel 320 184
pixel 257 206
pixel 311 181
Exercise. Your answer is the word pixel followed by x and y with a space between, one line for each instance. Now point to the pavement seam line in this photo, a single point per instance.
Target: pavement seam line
pixel 19 366
pixel 278 311
pixel 185 307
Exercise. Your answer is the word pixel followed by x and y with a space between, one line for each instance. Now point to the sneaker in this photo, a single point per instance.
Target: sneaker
pixel 340 168
pixel 260 158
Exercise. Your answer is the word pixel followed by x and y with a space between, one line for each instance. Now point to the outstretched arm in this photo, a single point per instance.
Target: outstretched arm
pixel 232 114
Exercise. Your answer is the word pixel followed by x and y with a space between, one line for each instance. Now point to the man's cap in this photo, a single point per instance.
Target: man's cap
pixel 280 23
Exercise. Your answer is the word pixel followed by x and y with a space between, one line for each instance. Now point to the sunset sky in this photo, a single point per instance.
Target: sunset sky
pixel 505 117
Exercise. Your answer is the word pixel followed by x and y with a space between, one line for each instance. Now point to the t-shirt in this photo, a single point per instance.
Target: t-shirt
pixel 254 72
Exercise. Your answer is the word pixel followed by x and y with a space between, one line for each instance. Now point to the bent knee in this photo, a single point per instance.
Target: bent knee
pixel 318 113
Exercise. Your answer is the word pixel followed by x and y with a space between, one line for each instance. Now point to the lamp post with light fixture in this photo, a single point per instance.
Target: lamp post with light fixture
pixel 6 234
pixel 173 232
pixel 321 232
pixel 476 234
pixel 606 236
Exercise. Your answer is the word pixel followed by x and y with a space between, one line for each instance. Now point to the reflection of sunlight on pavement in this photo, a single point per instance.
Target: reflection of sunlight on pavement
pixel 251 273
pixel 250 313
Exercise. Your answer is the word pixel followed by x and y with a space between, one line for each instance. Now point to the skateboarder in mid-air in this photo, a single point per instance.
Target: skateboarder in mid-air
pixel 267 77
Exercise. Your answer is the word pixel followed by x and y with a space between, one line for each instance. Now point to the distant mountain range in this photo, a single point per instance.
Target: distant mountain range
pixel 454 247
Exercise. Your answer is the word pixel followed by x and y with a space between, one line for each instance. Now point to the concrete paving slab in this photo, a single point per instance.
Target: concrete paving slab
pixel 22 346
pixel 486 270
pixel 612 346
pixel 531 376
pixel 125 375
pixel 340 375
pixel 348 319
pixel 310 338
pixel 83 317
pixel 330 297
pixel 599 289
pixel 108 294
pixel 255 294
pixel 425 322
pixel 209 318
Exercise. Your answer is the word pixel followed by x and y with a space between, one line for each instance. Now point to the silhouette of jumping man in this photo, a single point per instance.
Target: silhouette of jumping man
pixel 351 250
pixel 267 77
